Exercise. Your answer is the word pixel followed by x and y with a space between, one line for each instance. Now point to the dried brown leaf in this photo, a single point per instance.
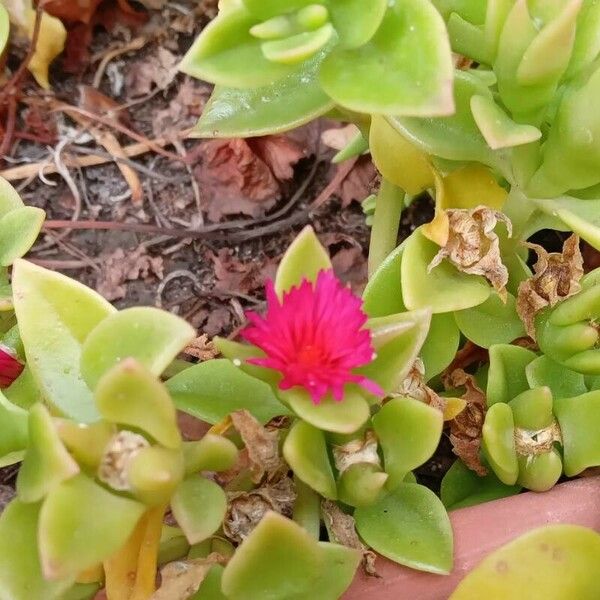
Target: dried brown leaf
pixel 350 266
pixel 556 277
pixel 414 386
pixel 359 450
pixel 182 578
pixel 279 153
pixel 233 275
pixel 120 266
pixel 339 137
pixel 246 509
pixel 359 183
pixel 154 71
pixel 466 427
pixel 261 443
pixel 219 321
pixel 473 247
pixel 342 530
pixel 202 348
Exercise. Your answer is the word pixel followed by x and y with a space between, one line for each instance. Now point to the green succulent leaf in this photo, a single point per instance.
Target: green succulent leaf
pixel 199 506
pixel 383 294
pixel 211 453
pixel 409 431
pixel 541 472
pixel 346 416
pixel 532 409
pixel 397 340
pixel 462 487
pixel 151 336
pixel 587 39
pixel 563 382
pixel 578 418
pixel 290 102
pixel 73 506
pixel 19 229
pixel 129 394
pixel 305 450
pixel 498 442
pixel 21 575
pixel 55 315
pixel 441 344
pixel 361 484
pixel 13 424
pixel 530 563
pixel 213 389
pixel 409 526
pixel 285 556
pixel 47 462
pixel 354 25
pixel 307 508
pixel 507 377
pixel 240 353
pixel 227 54
pixel 445 288
pixel 210 588
pixel 265 9
pixel 338 566
pixel 4 28
pixel 411 45
pixel 9 197
pixel 304 259
pixel 492 322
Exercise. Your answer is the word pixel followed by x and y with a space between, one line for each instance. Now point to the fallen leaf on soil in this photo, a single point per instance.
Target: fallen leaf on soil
pixel 246 509
pixel 466 427
pixel 350 266
pixel 181 579
pixel 236 179
pixel 219 320
pixel 261 443
pixel 359 183
pixel 50 41
pixel 155 71
pixel 556 277
pixel 232 275
pixel 278 152
pixel 342 531
pixel 201 348
pixel 473 247
pixel 120 266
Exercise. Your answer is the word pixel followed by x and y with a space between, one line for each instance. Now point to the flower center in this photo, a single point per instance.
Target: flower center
pixel 310 356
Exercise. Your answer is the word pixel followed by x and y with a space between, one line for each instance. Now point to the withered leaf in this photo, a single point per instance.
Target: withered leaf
pixel 466 427
pixel 342 530
pixel 359 183
pixel 414 386
pixel 473 247
pixel 182 578
pixel 202 348
pixel 246 509
pixel 359 450
pixel 556 277
pixel 261 444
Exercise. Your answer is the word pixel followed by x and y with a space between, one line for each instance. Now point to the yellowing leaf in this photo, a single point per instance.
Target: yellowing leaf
pixel 50 41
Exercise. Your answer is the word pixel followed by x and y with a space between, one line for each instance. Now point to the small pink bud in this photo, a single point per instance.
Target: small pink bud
pixel 10 366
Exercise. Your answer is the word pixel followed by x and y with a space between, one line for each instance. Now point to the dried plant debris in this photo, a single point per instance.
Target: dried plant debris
pixel 466 427
pixel 246 509
pixel 182 578
pixel 556 277
pixel 342 530
pixel 473 247
pixel 414 386
pixel 262 446
pixel 202 348
pixel 360 450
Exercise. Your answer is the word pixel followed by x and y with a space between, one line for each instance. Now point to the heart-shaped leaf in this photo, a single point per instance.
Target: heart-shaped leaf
pixel 462 487
pixel 128 394
pixel 445 288
pixel 199 506
pixel 345 416
pixel 409 526
pixel 409 431
pixel 211 390
pixel 151 336
pixel 557 561
pixel 492 322
pixel 21 575
pixel 47 462
pixel 410 46
pixel 506 376
pixel 304 259
pixel 74 506
pixel 18 231
pixel 55 315
pixel 305 451
pixel 278 560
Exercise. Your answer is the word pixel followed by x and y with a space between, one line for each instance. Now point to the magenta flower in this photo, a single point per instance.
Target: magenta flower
pixel 10 366
pixel 314 337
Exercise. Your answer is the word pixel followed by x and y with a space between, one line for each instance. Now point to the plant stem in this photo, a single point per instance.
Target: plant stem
pixel 384 232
